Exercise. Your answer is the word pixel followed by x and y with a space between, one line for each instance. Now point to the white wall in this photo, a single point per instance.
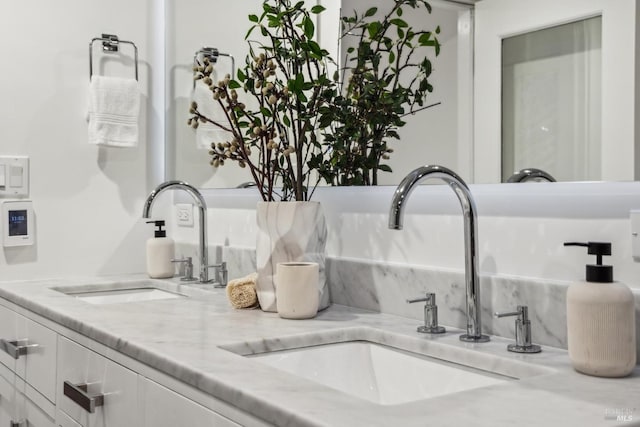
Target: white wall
pixel 87 200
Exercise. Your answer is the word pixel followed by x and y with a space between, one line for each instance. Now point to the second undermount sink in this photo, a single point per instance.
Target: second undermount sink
pixel 382 367
pixel 122 292
pixel 378 373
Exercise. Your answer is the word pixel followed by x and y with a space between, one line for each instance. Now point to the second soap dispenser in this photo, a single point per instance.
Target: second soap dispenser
pixel 601 320
pixel 160 252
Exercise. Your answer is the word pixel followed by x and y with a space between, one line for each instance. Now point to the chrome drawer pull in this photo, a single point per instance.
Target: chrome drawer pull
pixel 15 349
pixel 78 393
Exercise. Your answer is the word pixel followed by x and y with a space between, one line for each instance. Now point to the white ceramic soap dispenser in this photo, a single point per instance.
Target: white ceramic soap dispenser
pixel 601 320
pixel 160 250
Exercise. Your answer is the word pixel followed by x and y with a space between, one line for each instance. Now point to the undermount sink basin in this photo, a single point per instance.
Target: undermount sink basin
pixel 122 292
pixel 378 373
pixel 383 367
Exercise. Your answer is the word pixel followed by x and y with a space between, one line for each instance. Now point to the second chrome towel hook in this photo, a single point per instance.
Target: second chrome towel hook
pixel 111 44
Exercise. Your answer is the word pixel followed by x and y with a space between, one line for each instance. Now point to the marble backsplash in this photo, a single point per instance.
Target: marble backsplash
pixel 385 288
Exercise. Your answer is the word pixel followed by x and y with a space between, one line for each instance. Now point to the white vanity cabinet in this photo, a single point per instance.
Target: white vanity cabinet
pixel 52 376
pixel 27 371
pixel 162 407
pixel 16 409
pixel 64 420
pixel 28 349
pixel 93 390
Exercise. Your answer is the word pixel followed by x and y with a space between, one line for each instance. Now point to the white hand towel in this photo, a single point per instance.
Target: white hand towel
pixel 206 132
pixel 114 110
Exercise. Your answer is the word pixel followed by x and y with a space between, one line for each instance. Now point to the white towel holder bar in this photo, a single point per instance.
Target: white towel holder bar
pixel 110 44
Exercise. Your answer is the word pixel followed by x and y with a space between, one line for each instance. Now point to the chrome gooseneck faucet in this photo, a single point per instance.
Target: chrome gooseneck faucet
pixel 530 174
pixel 459 187
pixel 202 208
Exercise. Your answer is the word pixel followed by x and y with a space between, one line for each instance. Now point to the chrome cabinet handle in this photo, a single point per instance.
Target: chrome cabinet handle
pixel 78 393
pixel 15 349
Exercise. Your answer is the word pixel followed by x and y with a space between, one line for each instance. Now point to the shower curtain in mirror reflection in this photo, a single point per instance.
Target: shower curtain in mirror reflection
pixel 287 232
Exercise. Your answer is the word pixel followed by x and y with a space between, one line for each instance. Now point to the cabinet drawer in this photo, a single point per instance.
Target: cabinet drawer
pixel 29 350
pixel 8 397
pixel 16 408
pixel 162 407
pixel 64 420
pixel 85 376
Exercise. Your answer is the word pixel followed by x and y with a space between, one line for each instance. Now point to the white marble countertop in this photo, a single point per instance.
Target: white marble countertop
pixel 183 338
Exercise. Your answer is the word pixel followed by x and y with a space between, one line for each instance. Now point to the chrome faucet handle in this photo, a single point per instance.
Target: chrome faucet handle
pixel 188 269
pixel 221 274
pixel 523 331
pixel 430 315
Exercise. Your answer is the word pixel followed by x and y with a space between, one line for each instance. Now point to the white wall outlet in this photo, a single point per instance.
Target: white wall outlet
pixel 184 214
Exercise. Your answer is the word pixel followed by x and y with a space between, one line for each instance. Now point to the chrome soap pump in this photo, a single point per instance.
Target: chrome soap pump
pixel 601 320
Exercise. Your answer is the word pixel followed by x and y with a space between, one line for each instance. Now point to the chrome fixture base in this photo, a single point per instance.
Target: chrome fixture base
pixel 471 338
pixel 533 348
pixel 431 329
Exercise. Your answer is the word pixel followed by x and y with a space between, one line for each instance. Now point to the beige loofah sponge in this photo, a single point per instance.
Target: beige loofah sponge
pixel 242 292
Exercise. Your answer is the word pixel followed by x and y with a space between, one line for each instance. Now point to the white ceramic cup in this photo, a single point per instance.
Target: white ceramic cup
pixel 297 294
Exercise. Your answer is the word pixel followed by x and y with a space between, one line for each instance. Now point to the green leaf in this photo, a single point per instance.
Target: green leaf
pixel 424 38
pixel 318 9
pixel 309 27
pixel 265 112
pixel 399 11
pixel 286 121
pixel 234 85
pixel 374 28
pixel 399 22
pixel 370 12
pixel 315 48
pixel 253 18
pixel 392 57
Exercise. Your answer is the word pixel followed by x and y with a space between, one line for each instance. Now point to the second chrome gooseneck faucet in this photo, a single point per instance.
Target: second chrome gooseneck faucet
pixel 202 222
pixel 459 187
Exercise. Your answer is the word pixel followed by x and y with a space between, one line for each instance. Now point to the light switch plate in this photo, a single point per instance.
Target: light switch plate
pixel 15 171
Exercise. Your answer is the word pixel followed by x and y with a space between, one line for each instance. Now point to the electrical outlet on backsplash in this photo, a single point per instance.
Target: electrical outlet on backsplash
pixel 384 288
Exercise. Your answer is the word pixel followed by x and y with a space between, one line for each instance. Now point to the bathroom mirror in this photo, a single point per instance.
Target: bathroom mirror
pixel 465 132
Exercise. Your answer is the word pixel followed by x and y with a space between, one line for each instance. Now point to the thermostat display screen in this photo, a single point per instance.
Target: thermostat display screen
pixel 18 222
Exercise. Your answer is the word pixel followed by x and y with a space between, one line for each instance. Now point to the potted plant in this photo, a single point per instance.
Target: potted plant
pixel 272 115
pixel 385 77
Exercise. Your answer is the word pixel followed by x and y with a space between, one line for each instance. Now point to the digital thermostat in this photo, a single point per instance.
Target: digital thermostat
pixel 17 223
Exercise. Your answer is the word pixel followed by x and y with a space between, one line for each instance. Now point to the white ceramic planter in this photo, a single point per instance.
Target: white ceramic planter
pixel 289 232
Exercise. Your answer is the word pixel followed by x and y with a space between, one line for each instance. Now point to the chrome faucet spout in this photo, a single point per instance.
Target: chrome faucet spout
pixel 202 220
pixel 530 174
pixel 460 188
